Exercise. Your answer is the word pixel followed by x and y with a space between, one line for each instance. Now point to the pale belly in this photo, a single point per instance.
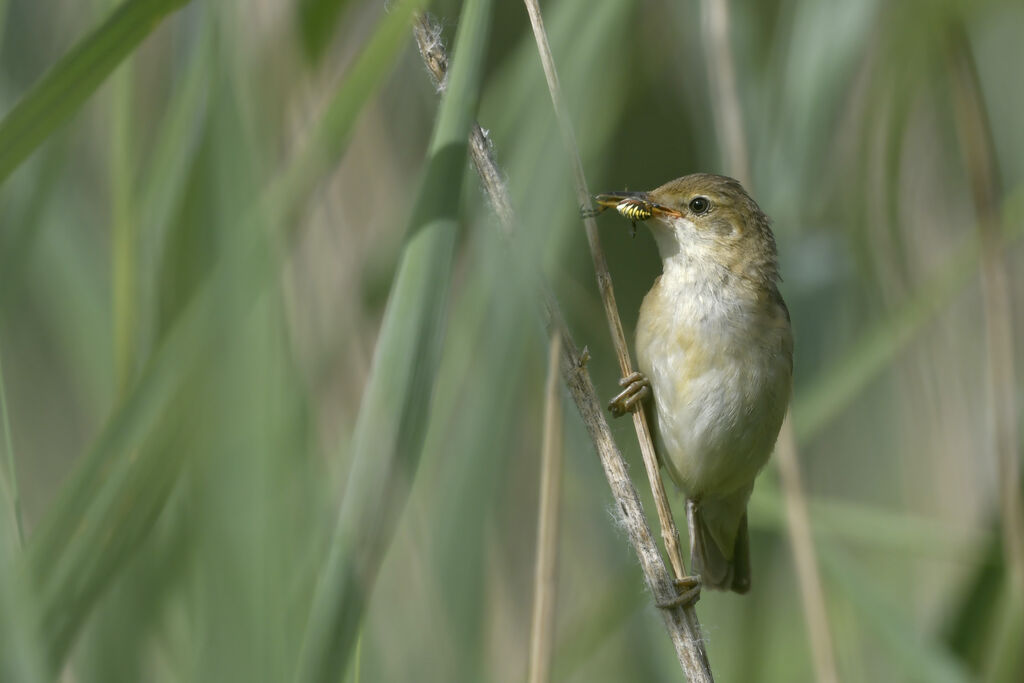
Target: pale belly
pixel 721 388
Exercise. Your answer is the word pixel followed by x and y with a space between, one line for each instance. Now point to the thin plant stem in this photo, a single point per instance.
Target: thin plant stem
pixel 12 474
pixel 728 115
pixel 725 102
pixel 669 533
pixel 978 149
pixel 545 583
pixel 681 623
pixel 428 39
pixel 798 521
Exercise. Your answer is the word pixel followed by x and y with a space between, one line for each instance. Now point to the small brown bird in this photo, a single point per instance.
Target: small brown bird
pixel 714 346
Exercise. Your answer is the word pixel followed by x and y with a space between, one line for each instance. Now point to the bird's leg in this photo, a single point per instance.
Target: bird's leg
pixel 688 586
pixel 637 388
pixel 693 528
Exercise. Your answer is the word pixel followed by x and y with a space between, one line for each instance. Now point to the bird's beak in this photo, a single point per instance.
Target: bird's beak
pixel 612 199
pixel 639 202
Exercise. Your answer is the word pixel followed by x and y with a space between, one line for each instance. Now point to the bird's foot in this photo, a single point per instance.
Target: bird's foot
pixel 637 388
pixel 688 589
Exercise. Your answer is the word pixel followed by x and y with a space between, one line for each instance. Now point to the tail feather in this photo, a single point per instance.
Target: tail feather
pixel 720 546
pixel 741 559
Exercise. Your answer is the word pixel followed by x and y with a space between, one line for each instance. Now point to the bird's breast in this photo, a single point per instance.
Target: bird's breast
pixel 720 365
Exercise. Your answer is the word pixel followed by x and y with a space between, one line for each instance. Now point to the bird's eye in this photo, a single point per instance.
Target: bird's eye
pixel 699 205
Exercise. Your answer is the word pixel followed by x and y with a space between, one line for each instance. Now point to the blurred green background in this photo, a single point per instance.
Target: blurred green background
pixel 202 212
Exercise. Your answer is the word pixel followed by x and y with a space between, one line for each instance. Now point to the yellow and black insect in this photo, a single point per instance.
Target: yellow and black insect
pixel 635 209
pixel 631 205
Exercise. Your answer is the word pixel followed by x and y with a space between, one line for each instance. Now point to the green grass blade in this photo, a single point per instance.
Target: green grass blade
pixel 164 182
pixel 10 480
pixel 110 501
pixel 61 92
pixel 393 415
pixel 19 652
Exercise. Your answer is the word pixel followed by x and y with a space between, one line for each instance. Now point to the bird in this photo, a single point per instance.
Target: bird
pixel 714 347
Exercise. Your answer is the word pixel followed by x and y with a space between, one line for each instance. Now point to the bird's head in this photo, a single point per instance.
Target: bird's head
pixel 704 219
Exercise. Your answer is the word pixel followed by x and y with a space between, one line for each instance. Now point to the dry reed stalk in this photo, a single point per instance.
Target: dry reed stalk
pixel 681 623
pixel 798 520
pixel 725 103
pixel 545 582
pixel 669 533
pixel 696 661
pixel 728 115
pixel 428 39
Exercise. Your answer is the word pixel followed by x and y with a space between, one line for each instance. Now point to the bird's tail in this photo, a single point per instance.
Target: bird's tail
pixel 719 544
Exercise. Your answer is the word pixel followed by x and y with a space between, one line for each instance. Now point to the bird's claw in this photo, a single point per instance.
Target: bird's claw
pixel 637 388
pixel 688 593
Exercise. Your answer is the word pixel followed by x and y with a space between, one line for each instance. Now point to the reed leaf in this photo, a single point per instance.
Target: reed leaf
pixel 61 92
pixel 393 415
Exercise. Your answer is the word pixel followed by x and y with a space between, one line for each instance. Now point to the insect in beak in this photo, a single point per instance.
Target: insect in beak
pixel 634 206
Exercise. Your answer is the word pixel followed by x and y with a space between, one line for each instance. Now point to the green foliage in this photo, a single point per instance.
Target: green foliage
pixel 393 414
pixel 59 94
